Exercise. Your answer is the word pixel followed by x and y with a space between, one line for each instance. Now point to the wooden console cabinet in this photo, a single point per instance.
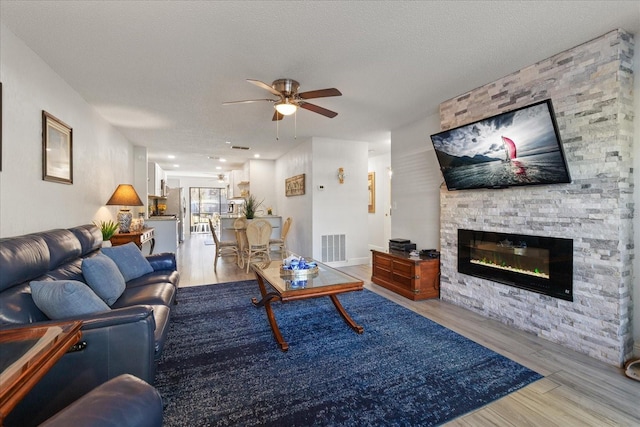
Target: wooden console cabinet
pixel 416 279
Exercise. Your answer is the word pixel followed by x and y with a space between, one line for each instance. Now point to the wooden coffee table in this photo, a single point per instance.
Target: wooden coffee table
pixel 326 282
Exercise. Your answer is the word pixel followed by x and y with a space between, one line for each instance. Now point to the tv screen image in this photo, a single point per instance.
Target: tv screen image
pixel 518 147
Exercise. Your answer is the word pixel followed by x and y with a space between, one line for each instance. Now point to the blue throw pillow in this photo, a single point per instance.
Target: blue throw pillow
pixel 104 277
pixel 130 261
pixel 66 298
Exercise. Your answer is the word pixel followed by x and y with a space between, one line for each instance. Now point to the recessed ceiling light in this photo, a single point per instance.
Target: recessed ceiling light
pixel 223 160
pixel 171 156
pixel 256 155
pixel 227 142
pixel 176 166
pixel 218 167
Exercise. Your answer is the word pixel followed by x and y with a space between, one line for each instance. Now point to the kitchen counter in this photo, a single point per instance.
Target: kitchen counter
pixel 166 233
pixel 161 218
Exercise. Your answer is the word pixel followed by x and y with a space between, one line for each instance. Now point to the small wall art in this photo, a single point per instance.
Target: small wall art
pixel 57 150
pixel 294 186
pixel 372 192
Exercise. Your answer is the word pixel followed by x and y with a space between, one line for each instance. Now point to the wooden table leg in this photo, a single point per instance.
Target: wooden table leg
pixel 359 329
pixel 266 301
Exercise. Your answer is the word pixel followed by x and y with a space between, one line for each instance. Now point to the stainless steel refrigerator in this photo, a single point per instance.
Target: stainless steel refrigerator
pixel 177 205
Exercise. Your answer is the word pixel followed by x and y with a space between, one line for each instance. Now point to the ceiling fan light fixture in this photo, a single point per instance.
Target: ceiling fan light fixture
pixel 285 108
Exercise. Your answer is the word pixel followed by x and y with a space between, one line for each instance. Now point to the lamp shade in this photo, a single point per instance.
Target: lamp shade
pixel 125 195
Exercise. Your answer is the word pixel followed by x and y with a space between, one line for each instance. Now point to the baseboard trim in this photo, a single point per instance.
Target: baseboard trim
pixel 377 248
pixel 347 263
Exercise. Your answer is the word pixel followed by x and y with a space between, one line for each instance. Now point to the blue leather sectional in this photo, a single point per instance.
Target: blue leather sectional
pixel 128 338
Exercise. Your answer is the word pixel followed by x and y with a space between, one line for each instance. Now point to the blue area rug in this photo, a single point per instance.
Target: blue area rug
pixel 221 365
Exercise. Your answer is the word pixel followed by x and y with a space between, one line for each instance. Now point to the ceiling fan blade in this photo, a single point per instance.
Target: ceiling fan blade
pixel 247 101
pixel 265 86
pixel 318 109
pixel 322 93
pixel 276 116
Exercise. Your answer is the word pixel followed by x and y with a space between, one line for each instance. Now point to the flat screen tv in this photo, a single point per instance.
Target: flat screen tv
pixel 518 147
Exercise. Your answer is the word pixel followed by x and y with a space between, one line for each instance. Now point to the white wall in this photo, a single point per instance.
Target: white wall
pixel 262 184
pixel 102 157
pixel 299 208
pixel 338 208
pixel 379 224
pixel 415 185
pixel 341 208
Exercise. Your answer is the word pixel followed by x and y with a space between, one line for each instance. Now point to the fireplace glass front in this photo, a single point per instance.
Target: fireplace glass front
pixel 538 264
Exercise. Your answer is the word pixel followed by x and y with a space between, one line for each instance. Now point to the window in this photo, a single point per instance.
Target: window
pixel 204 202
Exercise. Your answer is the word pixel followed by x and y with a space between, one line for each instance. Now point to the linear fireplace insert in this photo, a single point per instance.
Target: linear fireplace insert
pixel 538 264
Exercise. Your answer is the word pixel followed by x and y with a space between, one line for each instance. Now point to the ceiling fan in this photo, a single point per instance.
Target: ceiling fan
pixel 289 100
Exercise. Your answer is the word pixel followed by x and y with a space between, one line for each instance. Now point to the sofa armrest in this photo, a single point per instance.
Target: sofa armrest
pixel 122 401
pixel 117 342
pixel 118 316
pixel 163 261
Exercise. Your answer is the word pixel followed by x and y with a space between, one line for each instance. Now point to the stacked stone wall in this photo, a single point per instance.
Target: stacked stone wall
pixel 591 90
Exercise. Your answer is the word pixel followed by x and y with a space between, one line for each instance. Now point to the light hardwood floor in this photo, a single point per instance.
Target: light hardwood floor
pixel 576 390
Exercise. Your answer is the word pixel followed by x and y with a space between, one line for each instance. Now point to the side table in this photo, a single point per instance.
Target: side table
pixel 27 355
pixel 138 237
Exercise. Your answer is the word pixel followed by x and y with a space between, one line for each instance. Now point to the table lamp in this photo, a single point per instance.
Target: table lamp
pixel 125 195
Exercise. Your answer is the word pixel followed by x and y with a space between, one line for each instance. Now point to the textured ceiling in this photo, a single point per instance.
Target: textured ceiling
pixel 160 70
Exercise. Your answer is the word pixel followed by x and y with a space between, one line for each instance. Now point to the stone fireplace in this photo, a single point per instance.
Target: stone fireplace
pixel 590 87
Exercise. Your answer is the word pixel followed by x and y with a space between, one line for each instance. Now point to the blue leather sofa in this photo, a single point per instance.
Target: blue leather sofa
pixel 127 339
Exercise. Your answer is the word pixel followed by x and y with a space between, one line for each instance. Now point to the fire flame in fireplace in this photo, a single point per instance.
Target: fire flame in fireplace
pixel 488 263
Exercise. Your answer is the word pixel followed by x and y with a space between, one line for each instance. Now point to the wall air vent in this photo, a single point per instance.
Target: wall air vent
pixel 334 248
pixel 238 147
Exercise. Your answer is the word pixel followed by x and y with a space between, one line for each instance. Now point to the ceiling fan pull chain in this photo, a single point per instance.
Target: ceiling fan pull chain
pixel 277 128
pixel 295 125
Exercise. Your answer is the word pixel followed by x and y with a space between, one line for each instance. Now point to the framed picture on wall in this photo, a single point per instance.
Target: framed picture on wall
pixel 57 150
pixel 294 186
pixel 372 192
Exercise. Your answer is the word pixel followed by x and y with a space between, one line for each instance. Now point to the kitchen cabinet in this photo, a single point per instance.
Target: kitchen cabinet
pixel 155 178
pixel 238 184
pixel 415 278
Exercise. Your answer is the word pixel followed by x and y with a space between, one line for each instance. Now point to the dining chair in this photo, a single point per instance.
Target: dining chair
pixel 240 228
pixel 223 248
pixel 258 233
pixel 281 243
